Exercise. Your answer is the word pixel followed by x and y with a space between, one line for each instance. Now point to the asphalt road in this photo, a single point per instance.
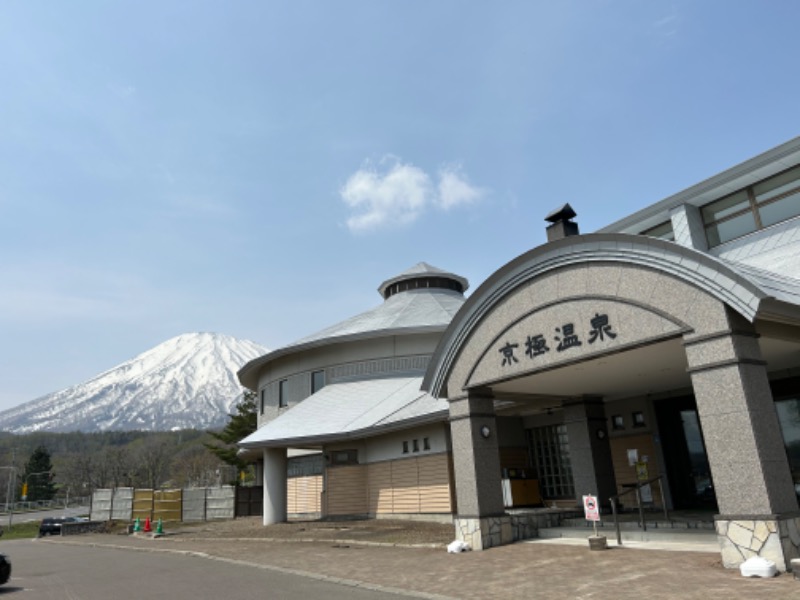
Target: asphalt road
pixel 41 570
pixel 21 517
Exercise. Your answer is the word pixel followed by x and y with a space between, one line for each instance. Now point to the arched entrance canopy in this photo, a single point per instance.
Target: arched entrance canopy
pixel 747 291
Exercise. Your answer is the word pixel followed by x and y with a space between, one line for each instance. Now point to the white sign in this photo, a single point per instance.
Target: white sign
pixel 590 508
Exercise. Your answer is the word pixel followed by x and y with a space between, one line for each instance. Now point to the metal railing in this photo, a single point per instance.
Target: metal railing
pixel 637 489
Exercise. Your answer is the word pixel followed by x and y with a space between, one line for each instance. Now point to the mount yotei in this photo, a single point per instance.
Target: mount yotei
pixel 187 382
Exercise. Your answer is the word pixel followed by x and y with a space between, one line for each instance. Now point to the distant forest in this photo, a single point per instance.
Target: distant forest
pixel 83 462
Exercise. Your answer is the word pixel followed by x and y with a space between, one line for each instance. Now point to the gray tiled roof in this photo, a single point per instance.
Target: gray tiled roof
pixel 343 410
pixel 409 309
pixel 772 284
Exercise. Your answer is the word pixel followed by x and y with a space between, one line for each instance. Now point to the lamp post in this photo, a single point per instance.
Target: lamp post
pixel 12 482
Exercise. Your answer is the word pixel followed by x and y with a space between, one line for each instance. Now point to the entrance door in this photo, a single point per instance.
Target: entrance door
pixel 685 454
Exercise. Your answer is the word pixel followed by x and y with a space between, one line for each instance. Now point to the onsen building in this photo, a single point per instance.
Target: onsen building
pixel 664 348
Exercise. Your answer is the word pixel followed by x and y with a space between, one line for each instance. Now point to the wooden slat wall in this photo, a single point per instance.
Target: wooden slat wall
pixel 142 504
pixel 167 505
pixel 347 490
pixel 406 486
pixel 410 486
pixel 624 473
pixel 303 494
pixel 381 495
pixel 434 484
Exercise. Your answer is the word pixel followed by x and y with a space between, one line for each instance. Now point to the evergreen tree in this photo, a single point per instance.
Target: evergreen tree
pixel 39 475
pixel 242 423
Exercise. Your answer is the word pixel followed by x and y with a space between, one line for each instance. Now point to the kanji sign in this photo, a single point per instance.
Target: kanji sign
pixel 590 508
pixel 565 337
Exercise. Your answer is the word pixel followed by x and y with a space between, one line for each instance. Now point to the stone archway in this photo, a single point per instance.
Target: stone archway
pixel 608 297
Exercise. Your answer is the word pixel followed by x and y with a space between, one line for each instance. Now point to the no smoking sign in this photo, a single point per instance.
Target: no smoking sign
pixel 590 508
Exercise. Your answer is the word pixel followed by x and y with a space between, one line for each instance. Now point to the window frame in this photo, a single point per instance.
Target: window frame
pixel 348 456
pixel 314 388
pixel 283 400
pixel 550 453
pixel 752 207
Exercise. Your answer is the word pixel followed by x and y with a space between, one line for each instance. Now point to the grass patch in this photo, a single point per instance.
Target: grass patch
pixel 20 531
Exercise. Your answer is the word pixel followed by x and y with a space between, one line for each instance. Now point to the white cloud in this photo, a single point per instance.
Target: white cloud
pixel 397 193
pixel 455 189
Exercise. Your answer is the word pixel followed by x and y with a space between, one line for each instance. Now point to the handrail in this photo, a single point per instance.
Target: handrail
pixel 637 488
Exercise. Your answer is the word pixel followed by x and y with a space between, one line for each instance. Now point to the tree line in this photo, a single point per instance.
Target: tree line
pixel 76 463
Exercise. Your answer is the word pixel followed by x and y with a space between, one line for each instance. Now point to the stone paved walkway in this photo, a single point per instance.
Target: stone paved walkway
pixel 524 570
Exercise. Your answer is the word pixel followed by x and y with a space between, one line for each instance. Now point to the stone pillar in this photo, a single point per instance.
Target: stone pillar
pixel 481 520
pixel 750 471
pixel 274 485
pixel 589 449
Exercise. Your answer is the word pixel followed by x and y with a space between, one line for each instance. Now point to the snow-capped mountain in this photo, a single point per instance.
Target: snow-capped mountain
pixel 188 381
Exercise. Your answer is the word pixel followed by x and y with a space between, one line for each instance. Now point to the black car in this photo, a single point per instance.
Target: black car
pixel 52 526
pixel 5 569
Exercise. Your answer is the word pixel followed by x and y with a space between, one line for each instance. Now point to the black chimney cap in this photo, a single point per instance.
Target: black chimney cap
pixel 565 213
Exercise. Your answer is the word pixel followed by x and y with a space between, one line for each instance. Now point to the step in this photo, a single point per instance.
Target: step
pixel 683 536
pixel 633 525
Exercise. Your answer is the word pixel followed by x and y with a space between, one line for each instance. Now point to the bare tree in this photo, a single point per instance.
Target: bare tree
pixel 152 461
pixel 194 467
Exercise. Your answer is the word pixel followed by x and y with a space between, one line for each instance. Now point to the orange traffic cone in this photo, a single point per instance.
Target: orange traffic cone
pixel 147 528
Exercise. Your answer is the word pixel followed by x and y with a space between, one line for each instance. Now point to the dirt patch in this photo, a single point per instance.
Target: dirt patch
pixel 388 531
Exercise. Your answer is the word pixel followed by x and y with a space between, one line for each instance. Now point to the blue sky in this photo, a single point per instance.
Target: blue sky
pixel 259 168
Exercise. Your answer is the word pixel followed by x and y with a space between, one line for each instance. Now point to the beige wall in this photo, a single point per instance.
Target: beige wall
pixel 418 485
pixel 304 494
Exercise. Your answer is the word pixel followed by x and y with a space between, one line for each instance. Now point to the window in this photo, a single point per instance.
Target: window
pixel 426 444
pixel 617 422
pixel 663 231
pixel 550 448
pixel 405 447
pixel 304 466
pixel 282 399
pixel 263 400
pixel 416 445
pixel 317 381
pixel 344 457
pixel 638 419
pixel 766 203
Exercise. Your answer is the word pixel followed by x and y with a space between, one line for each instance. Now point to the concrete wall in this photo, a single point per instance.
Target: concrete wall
pixel 390 445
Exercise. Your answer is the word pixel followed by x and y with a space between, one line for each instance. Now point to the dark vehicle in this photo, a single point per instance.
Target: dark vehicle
pixel 5 569
pixel 52 526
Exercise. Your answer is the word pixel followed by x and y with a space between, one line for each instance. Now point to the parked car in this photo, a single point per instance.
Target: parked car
pixel 52 526
pixel 5 569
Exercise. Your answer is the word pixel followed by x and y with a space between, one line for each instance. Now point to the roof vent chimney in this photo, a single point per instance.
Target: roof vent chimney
pixel 561 225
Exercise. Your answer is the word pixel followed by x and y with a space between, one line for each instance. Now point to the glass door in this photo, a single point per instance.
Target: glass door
pixel 685 458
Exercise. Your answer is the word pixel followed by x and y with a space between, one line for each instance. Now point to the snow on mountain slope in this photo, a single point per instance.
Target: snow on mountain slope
pixel 188 381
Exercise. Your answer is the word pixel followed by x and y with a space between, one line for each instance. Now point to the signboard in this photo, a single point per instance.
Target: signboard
pixel 642 475
pixel 591 508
